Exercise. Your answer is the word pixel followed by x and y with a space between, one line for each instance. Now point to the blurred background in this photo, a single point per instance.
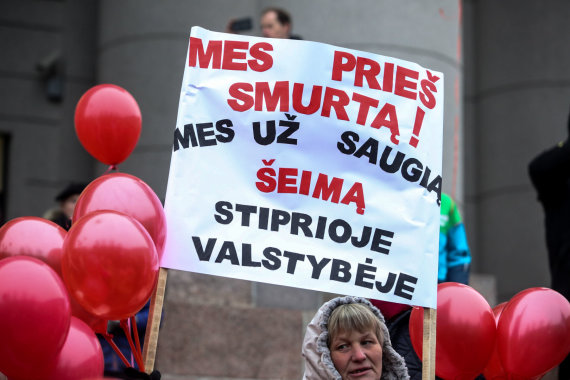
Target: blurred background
pixel 507 95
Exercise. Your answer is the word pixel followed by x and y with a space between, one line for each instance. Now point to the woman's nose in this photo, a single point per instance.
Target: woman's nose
pixel 358 353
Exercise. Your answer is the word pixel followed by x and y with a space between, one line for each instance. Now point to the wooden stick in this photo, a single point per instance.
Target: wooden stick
pixel 428 349
pixel 153 323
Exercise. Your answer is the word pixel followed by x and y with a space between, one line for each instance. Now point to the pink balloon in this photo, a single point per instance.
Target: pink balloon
pixel 534 332
pixel 80 357
pixel 108 123
pixel 127 194
pixel 34 316
pixel 35 237
pixel 109 264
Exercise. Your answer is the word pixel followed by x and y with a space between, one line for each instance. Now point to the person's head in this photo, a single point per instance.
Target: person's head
pixel 355 342
pixel 275 23
pixel 68 197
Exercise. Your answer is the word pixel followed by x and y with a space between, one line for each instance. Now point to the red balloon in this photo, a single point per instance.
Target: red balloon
pixel 34 318
pixel 109 264
pixel 494 368
pixel 108 123
pixel 33 236
pixel 465 331
pixel 42 239
pixel 534 332
pixel 80 357
pixel 127 194
pixel 99 325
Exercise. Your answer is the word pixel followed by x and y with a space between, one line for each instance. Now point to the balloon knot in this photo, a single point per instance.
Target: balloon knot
pixel 111 168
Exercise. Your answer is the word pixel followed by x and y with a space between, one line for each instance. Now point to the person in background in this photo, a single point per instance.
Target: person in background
pixel 276 23
pixel 454 254
pixel 66 199
pixel 550 176
pixel 347 339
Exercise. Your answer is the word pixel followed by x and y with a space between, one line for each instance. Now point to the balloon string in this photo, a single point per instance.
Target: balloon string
pixel 137 340
pixel 109 338
pixel 138 358
pixel 129 327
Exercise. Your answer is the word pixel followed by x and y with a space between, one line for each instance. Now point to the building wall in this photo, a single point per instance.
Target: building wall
pixel 44 154
pixel 516 100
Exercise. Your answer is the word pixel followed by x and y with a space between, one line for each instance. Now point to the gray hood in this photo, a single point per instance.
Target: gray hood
pixel 318 362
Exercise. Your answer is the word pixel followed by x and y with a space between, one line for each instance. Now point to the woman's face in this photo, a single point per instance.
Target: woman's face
pixel 357 355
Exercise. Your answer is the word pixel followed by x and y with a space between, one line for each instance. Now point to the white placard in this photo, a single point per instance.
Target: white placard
pixel 308 165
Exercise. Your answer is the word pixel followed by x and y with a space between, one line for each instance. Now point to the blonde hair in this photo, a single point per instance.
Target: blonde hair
pixel 354 316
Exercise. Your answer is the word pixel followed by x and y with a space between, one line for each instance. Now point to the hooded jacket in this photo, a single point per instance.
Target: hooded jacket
pixel 318 362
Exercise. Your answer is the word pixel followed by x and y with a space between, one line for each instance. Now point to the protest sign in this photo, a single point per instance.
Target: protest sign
pixel 308 165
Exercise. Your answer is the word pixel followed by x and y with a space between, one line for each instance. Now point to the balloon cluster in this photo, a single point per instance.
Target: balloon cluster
pixel 58 288
pixel 521 339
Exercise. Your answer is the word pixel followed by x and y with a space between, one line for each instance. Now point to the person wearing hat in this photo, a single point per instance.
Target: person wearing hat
pixel 347 340
pixel 67 198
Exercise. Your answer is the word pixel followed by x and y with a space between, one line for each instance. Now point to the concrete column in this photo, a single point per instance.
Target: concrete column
pixel 256 328
pixel 518 96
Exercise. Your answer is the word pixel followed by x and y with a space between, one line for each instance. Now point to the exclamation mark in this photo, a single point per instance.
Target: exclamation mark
pixel 417 126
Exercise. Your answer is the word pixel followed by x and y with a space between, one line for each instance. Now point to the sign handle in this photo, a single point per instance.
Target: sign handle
pixel 428 349
pixel 153 323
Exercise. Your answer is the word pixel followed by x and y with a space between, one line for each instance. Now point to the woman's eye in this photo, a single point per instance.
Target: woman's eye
pixel 341 347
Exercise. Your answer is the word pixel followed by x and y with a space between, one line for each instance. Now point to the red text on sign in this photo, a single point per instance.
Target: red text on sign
pixel 230 55
pixel 286 180
pixel 397 79
pixel 329 101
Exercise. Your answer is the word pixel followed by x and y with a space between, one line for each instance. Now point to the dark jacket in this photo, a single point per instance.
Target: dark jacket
pixel 550 175
pixel 398 327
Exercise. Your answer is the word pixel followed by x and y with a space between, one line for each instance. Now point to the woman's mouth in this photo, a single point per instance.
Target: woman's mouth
pixel 359 371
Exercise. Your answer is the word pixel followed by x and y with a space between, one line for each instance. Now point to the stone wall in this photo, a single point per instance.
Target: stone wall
pixel 219 328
